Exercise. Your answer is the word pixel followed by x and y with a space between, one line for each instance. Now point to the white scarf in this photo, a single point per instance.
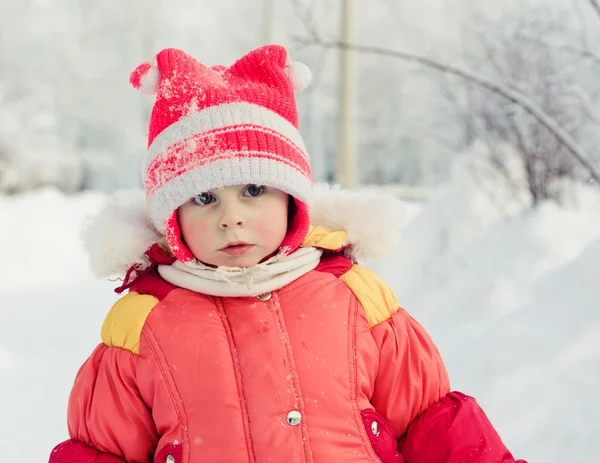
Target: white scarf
pixel 267 276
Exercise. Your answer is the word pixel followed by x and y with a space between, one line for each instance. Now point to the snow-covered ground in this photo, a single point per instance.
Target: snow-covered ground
pixel 510 295
pixel 51 311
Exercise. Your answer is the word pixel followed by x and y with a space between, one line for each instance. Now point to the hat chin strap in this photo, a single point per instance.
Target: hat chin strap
pixel 298 226
pixel 175 241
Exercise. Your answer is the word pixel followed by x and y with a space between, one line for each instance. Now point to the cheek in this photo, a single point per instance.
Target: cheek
pixel 273 226
pixel 194 230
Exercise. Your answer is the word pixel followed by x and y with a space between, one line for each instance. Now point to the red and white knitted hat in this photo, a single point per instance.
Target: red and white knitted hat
pixel 217 126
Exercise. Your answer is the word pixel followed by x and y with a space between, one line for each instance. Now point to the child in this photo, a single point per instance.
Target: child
pixel 247 333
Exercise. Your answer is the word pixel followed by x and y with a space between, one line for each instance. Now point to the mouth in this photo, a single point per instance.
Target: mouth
pixel 237 248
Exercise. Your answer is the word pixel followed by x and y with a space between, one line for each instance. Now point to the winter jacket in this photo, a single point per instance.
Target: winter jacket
pixel 327 368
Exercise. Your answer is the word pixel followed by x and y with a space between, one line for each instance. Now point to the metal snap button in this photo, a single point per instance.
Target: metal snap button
pixel 294 418
pixel 375 428
pixel 264 297
pixel 170 459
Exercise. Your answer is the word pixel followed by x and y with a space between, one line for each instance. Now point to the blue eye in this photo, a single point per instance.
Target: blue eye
pixel 203 199
pixel 254 190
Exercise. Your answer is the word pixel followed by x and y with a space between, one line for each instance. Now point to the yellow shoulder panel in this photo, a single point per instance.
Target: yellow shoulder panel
pixel 123 324
pixel 376 297
pixel 323 238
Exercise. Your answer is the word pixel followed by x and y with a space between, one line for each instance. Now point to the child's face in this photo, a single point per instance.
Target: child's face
pixel 235 226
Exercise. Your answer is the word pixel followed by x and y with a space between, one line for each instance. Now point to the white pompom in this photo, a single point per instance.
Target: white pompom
pixel 149 82
pixel 299 75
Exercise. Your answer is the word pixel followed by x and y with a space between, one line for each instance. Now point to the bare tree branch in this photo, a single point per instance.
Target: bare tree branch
pixel 580 15
pixel 586 105
pixel 596 6
pixel 305 15
pixel 484 35
pixel 511 95
pixel 582 52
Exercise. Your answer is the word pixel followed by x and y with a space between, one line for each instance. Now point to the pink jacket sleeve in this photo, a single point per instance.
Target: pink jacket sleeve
pixel 411 375
pixel 107 419
pixel 412 394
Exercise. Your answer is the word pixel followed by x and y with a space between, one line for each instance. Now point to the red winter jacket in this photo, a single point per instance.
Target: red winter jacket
pixel 328 368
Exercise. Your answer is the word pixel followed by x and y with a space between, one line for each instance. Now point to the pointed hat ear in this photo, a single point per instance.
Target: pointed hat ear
pixel 265 65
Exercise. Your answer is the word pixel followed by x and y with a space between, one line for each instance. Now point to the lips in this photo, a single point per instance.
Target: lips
pixel 238 248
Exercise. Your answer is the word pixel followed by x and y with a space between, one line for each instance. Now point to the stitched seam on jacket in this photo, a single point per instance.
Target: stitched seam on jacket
pixel 171 388
pixel 291 367
pixel 136 360
pixel 353 367
pixel 238 378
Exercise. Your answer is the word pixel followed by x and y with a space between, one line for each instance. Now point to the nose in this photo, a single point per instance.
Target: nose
pixel 232 217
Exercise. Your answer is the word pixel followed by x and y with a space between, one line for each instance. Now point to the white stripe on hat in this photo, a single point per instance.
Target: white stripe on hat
pixel 160 177
pixel 221 116
pixel 225 172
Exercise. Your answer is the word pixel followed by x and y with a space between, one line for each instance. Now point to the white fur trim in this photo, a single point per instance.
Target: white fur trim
pixel 123 231
pixel 221 116
pixel 373 220
pixel 120 234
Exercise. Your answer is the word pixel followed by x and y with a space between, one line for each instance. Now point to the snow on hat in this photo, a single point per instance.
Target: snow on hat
pixel 217 126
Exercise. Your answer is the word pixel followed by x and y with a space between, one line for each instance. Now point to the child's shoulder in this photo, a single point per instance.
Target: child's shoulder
pixel 124 322
pixel 375 296
pixel 371 222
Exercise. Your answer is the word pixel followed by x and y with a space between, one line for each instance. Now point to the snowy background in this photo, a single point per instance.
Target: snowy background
pixel 509 294
pixel 499 260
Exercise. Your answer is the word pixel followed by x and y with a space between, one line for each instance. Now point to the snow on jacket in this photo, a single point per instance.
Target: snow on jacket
pixel 327 368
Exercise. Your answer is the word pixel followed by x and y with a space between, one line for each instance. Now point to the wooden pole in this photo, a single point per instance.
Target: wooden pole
pixel 269 32
pixel 347 174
